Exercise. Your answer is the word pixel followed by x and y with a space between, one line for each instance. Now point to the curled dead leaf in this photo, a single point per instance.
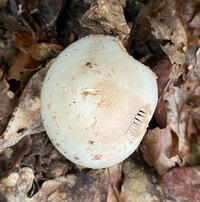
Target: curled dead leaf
pixel 18 64
pixel 162 71
pixel 156 147
pixel 162 20
pixel 26 119
pixel 107 17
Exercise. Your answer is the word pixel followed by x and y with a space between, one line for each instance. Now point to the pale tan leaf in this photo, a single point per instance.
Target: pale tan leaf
pixel 156 148
pixel 178 118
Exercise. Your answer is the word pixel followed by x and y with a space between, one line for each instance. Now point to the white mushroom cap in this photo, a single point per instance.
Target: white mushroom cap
pixel 97 102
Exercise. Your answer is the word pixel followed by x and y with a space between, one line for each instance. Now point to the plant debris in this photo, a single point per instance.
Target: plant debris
pixel 163 35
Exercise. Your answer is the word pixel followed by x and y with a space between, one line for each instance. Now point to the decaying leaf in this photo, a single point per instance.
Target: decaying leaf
pixel 179 142
pixel 8 102
pixel 178 119
pixel 48 11
pixel 7 97
pixel 12 155
pixel 30 56
pixel 91 186
pixel 18 64
pixel 22 40
pixel 182 133
pixel 107 17
pixel 179 107
pixel 138 186
pixel 182 184
pixel 162 20
pixel 156 148
pixel 26 118
pixel 50 164
pixel 162 71
pixel 16 186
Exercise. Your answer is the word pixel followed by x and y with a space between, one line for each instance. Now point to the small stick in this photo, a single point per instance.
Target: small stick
pixel 112 185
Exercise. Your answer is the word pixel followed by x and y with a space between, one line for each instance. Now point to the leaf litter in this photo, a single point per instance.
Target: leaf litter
pixel 172 143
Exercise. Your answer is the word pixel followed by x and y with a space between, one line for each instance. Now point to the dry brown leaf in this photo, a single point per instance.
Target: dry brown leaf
pixel 107 17
pixel 8 100
pixel 182 184
pixel 26 119
pixel 22 40
pixel 162 20
pixel 12 155
pixel 156 148
pixel 137 185
pixel 18 64
pixel 91 186
pixel 16 186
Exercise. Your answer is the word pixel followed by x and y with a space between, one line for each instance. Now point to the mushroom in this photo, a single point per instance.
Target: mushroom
pixel 97 101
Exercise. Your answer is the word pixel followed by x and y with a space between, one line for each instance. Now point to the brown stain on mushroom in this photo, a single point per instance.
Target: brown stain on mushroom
pixel 86 93
pixel 97 157
pixel 107 91
pixel 73 90
pixel 78 117
pixel 89 64
pixel 91 142
pixel 54 118
pixel 64 93
pixel 76 158
pixel 109 75
pixel 57 145
pixel 48 105
pixel 93 126
pixel 113 71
